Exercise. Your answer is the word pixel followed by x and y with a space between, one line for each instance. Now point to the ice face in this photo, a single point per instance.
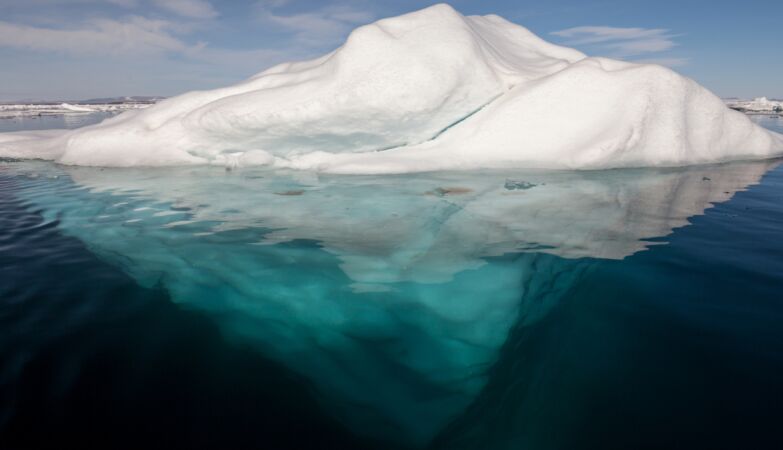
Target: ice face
pixel 429 90
pixel 410 283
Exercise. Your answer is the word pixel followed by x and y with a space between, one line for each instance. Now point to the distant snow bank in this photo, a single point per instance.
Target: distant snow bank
pixel 21 110
pixel 76 108
pixel 759 105
pixel 429 90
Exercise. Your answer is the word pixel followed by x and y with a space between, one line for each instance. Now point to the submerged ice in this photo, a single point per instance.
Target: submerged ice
pixel 429 90
pixel 393 294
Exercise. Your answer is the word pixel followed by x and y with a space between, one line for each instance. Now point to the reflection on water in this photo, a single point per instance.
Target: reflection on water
pixel 394 295
pixel 88 359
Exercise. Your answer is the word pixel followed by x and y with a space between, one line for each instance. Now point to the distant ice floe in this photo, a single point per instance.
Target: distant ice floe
pixel 761 105
pixel 26 110
pixel 430 90
pixel 77 108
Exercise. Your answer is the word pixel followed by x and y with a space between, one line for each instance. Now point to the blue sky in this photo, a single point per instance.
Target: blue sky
pixel 74 49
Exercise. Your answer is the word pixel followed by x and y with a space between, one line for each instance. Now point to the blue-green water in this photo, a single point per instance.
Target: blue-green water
pixel 199 307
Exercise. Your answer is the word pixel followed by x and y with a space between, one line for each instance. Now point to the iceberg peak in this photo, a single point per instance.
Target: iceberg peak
pixel 428 90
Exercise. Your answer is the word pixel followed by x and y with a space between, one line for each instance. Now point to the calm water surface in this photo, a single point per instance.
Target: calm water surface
pixel 252 308
pixel 51 121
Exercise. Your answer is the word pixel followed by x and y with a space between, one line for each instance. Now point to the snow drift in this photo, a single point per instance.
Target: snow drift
pixel 428 90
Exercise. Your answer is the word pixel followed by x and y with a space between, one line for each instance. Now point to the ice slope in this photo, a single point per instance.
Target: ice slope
pixel 428 90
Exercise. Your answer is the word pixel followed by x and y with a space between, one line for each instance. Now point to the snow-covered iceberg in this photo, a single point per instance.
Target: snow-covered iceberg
pixel 429 90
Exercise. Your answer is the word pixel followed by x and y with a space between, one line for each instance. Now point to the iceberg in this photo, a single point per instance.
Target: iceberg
pixel 425 91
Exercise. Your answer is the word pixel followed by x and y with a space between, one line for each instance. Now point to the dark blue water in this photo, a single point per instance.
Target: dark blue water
pixel 680 346
pixel 204 309
pixel 90 359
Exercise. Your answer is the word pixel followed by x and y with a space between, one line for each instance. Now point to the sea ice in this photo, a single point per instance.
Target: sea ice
pixel 65 109
pixel 77 108
pixel 758 105
pixel 429 90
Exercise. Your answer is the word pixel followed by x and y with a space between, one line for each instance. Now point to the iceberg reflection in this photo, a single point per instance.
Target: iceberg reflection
pixel 393 294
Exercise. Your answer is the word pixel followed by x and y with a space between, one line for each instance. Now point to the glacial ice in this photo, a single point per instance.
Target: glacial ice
pixel 411 282
pixel 430 90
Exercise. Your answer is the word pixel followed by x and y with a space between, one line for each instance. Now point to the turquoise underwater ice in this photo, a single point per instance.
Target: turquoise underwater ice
pixel 394 295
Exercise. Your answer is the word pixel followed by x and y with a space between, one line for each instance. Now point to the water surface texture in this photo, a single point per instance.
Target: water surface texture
pixel 254 307
pixel 51 121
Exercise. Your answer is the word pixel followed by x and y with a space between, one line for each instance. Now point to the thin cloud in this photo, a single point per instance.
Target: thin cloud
pixel 669 62
pixel 123 3
pixel 192 9
pixel 314 28
pixel 622 42
pixel 134 36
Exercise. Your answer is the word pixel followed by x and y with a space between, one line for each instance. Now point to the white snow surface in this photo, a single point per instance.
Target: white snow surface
pixel 429 90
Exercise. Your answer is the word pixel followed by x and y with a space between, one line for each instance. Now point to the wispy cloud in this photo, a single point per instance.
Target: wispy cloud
pixel 135 36
pixel 193 9
pixel 123 3
pixel 323 26
pixel 190 9
pixel 620 42
pixel 669 62
pixel 150 42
